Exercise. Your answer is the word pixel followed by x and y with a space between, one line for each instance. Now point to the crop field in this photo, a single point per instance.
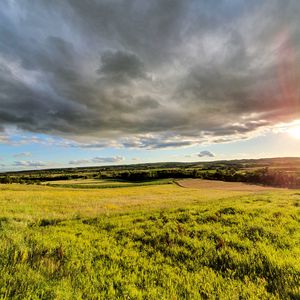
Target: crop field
pixel 156 241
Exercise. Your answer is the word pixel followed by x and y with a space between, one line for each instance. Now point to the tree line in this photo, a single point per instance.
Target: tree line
pixel 263 176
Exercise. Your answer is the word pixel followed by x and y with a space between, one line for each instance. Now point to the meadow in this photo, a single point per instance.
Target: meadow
pixel 155 241
pixel 103 183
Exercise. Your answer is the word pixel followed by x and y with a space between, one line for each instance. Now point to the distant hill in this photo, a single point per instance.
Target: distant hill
pixel 276 162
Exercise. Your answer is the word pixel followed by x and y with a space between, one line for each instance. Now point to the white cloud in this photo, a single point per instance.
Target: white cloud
pixel 29 163
pixel 23 154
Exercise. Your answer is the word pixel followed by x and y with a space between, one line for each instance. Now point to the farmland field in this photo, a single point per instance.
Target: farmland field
pixel 206 240
pixel 221 185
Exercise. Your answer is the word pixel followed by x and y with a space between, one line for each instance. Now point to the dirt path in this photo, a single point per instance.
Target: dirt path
pixel 220 185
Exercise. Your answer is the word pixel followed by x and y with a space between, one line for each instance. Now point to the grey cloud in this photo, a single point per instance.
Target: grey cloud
pixel 121 70
pixel 95 160
pixel 79 162
pixel 95 145
pixel 162 141
pixel 29 163
pixel 155 143
pixel 107 159
pixel 206 153
pixel 121 64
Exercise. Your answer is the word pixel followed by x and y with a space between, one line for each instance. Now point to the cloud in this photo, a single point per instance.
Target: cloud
pixel 22 154
pixel 114 159
pixel 121 65
pixel 151 142
pixel 29 163
pixel 206 153
pixel 97 160
pixel 4 138
pixel 79 162
pixel 134 73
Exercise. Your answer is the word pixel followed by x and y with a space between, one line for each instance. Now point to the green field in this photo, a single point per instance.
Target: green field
pixel 103 183
pixel 157 241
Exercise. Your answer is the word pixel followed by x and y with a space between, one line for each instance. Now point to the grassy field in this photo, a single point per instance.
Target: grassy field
pixel 221 185
pixel 103 183
pixel 149 242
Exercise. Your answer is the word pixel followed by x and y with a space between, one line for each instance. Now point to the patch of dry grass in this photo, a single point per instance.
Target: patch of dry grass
pixel 222 185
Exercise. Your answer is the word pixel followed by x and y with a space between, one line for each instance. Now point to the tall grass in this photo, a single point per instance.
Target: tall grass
pixel 210 246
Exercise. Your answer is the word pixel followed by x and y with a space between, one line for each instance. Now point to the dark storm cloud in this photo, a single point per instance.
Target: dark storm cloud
pixel 149 74
pixel 121 65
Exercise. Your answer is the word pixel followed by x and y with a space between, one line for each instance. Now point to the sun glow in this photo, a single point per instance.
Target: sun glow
pixel 294 132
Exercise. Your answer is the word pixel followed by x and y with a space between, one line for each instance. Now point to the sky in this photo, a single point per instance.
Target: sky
pixel 102 82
